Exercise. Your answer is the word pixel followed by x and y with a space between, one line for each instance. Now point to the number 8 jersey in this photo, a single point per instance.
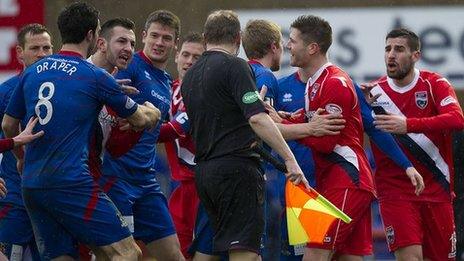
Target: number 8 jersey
pixel 66 93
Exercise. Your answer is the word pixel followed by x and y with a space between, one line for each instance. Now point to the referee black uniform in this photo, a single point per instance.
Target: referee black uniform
pixel 220 96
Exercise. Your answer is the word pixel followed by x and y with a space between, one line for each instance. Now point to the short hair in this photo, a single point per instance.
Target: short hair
pixel 108 26
pixel 258 37
pixel 75 21
pixel 411 37
pixel 193 37
pixel 221 27
pixel 314 29
pixel 32 29
pixel 165 18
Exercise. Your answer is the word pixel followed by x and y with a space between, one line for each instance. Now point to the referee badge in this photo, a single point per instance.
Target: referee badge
pixel 250 97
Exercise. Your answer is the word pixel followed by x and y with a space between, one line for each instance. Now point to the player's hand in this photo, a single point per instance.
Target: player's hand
pixel 273 113
pixel 366 89
pixel 20 165
pixel 416 180
pixel 3 189
pixel 391 123
pixel 124 83
pixel 294 173
pixel 325 124
pixel 26 135
pixel 263 92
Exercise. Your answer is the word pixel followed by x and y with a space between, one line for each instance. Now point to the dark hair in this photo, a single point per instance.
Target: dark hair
pixel 258 37
pixel 314 29
pixel 221 27
pixel 193 37
pixel 75 21
pixel 165 18
pixel 412 38
pixel 32 29
pixel 108 26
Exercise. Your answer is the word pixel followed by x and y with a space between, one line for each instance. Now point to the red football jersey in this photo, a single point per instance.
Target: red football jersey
pixel 430 105
pixel 179 145
pixel 340 160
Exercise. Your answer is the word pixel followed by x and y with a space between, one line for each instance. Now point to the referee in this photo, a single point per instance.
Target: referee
pixel 226 117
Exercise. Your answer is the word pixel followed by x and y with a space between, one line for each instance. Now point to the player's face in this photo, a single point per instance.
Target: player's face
pixel 277 58
pixel 120 47
pixel 299 55
pixel 36 47
pixel 187 56
pixel 159 41
pixel 399 59
pixel 93 41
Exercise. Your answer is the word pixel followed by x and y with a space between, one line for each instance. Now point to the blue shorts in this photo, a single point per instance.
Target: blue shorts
pixel 203 234
pixel 62 216
pixel 16 232
pixel 143 206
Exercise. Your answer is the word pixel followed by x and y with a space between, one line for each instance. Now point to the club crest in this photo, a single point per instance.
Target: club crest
pixel 314 91
pixel 390 235
pixel 421 99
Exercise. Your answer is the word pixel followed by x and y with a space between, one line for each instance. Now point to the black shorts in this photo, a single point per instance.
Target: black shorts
pixel 232 191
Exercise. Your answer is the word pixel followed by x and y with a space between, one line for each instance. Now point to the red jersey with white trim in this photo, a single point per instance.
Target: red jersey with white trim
pixel 432 110
pixel 179 144
pixel 340 160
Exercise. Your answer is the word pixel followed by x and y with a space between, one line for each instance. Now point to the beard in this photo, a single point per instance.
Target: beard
pixel 401 72
pixel 275 67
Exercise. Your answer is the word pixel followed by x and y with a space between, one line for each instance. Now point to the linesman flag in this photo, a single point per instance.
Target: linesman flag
pixel 309 214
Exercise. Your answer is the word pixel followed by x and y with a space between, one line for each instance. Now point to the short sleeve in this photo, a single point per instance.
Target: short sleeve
pixel 110 93
pixel 243 88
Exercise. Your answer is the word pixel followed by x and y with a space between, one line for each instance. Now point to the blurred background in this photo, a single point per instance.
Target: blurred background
pixel 359 28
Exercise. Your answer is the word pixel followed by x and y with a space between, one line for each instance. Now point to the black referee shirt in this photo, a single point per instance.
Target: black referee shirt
pixel 220 95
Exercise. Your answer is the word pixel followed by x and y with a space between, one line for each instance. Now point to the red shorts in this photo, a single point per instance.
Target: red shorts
pixel 354 238
pixel 428 224
pixel 183 206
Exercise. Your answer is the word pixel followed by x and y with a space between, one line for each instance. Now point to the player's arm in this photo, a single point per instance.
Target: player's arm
pixel 319 125
pixel 146 116
pixel 449 116
pixel 3 192
pixel 244 92
pixel 15 111
pixel 175 128
pixel 338 98
pixel 387 144
pixel 138 116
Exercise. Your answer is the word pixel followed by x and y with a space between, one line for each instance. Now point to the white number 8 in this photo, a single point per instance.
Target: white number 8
pixel 45 101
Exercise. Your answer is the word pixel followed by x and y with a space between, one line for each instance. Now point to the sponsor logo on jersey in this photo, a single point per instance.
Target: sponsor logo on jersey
pixel 287 97
pixel 160 97
pixel 381 103
pixel 390 235
pixel 448 100
pixel 314 91
pixel 147 75
pixel 421 99
pixel 250 97
pixel 333 108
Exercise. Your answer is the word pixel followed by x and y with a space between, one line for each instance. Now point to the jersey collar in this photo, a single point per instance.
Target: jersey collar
pixel 318 73
pixel 406 88
pixel 70 53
